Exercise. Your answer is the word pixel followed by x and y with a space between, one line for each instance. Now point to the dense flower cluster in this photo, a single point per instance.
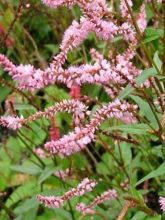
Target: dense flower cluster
pixel 77 108
pixel 88 209
pixel 76 141
pixel 112 73
pixel 162 203
pixel 28 77
pixel 102 72
pixel 86 185
pixel 11 122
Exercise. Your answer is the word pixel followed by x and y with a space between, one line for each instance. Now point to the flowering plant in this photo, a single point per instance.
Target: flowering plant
pixel 115 95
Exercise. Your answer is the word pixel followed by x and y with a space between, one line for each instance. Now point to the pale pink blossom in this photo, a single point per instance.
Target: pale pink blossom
pixel 77 108
pixel 124 9
pixel 72 38
pixel 7 65
pixel 40 152
pixel 57 3
pixel 77 140
pixel 88 209
pixel 11 122
pixel 162 203
pixel 90 9
pixel 84 186
pixel 141 19
pixel 101 72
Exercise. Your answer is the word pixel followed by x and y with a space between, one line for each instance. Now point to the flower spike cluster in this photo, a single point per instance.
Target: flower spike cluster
pixel 77 108
pixel 84 186
pixel 112 74
pixel 162 203
pixel 77 140
pixel 101 72
pixel 11 122
pixel 88 209
pixel 28 77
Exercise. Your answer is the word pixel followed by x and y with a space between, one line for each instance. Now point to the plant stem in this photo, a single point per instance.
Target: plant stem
pixel 8 210
pixel 20 134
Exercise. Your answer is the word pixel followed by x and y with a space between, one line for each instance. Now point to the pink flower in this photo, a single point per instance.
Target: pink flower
pixel 84 186
pixel 77 108
pixel 124 9
pixel 11 122
pixel 57 3
pixel 7 65
pixel 141 19
pixel 162 203
pixel 88 209
pixel 40 152
pixel 77 140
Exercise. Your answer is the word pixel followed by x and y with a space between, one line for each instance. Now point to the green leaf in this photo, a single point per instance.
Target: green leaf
pixel 48 171
pixel 157 61
pixel 126 153
pixel 52 48
pixel 29 169
pixel 26 206
pixel 145 75
pixel 23 191
pixel 132 129
pixel 139 80
pixel 24 106
pixel 145 109
pixel 143 216
pixel 4 93
pixel 155 173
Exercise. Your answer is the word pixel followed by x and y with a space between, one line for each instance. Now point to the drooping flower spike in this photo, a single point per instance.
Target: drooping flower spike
pixel 101 72
pixel 77 108
pixel 86 185
pixel 89 209
pixel 78 139
pixel 162 203
pixel 28 77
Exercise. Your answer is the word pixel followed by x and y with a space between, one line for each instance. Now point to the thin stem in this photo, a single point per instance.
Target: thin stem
pixel 139 36
pixel 120 138
pixel 17 15
pixel 20 134
pixel 124 210
pixel 122 160
pixel 8 210
pixel 70 206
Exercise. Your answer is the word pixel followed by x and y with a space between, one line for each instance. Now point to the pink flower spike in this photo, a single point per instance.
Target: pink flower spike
pixel 8 65
pixel 77 108
pixel 57 3
pixel 162 203
pixel 84 186
pixel 88 209
pixel 78 139
pixel 141 19
pixel 11 122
